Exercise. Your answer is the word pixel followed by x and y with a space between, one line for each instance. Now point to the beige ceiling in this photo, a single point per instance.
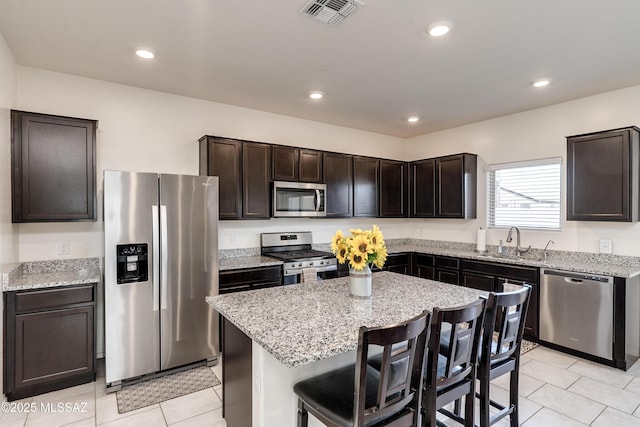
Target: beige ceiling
pixel 376 68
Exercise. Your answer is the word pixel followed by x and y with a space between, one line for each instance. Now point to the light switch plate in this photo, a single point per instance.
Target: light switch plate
pixel 605 246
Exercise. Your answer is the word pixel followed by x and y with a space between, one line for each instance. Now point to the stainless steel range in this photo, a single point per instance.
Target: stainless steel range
pixel 298 256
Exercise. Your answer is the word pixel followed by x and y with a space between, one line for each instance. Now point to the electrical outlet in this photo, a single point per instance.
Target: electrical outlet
pixel 605 246
pixel 63 248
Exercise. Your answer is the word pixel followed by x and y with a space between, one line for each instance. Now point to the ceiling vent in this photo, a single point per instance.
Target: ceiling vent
pixel 331 12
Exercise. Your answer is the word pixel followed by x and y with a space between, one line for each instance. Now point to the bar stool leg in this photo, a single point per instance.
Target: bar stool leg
pixel 513 397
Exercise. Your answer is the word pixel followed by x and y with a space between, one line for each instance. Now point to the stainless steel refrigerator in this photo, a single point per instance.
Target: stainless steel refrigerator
pixel 161 261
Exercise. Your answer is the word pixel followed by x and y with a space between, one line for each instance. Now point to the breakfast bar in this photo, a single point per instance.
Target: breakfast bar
pixel 274 337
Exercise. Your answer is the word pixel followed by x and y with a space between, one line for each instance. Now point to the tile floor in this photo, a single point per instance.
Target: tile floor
pixel 556 390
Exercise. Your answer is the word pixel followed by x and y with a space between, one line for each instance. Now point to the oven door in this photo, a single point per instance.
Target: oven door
pixel 298 199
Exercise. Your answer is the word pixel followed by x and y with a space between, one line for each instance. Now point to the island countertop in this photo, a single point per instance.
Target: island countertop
pixel 301 324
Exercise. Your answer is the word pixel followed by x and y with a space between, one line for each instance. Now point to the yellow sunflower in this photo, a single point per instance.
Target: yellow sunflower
pixel 336 241
pixel 360 248
pixel 381 257
pixel 357 261
pixel 342 252
pixel 361 245
pixel 356 232
pixel 377 241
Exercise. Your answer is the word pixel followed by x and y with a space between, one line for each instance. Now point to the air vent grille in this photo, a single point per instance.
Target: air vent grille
pixel 331 12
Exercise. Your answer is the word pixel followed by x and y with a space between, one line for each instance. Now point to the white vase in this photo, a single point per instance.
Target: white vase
pixel 360 282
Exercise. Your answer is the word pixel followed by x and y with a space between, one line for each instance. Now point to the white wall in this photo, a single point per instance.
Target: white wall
pixel 8 232
pixel 151 131
pixel 143 130
pixel 532 135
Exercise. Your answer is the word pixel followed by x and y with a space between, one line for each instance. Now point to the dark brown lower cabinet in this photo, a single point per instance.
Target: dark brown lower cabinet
pixel 447 269
pixel 491 276
pixel 397 263
pixel 236 375
pixel 424 266
pixel 49 339
pixel 247 279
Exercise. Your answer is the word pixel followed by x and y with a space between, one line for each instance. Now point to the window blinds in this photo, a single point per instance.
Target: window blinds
pixel 525 194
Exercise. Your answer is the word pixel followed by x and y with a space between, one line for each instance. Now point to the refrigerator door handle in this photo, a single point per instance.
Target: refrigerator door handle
pixel 156 257
pixel 164 259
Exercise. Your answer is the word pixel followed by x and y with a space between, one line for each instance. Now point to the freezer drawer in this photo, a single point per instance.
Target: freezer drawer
pixel 576 311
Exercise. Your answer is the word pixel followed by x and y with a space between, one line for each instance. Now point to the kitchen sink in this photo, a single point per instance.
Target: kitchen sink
pixel 509 257
pixel 496 256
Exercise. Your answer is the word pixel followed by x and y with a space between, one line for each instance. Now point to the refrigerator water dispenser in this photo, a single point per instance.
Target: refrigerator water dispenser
pixel 132 263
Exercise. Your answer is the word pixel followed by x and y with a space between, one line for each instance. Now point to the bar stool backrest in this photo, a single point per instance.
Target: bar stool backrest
pixel 400 371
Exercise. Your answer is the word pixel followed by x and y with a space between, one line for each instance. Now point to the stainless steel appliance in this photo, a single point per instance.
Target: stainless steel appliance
pixel 161 261
pixel 298 256
pixel 576 311
pixel 298 199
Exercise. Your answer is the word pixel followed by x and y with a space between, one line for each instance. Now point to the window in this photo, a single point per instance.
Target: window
pixel 524 194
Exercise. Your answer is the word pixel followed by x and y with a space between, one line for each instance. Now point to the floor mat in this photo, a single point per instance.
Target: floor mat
pixel 157 390
pixel 527 346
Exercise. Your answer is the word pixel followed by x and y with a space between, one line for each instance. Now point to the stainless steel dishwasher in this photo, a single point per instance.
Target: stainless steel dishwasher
pixel 576 311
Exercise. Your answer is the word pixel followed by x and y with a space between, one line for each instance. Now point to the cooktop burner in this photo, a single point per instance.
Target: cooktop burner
pixel 301 255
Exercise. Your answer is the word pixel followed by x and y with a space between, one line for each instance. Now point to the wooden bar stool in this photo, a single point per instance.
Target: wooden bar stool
pixel 359 395
pixel 450 370
pixel 500 351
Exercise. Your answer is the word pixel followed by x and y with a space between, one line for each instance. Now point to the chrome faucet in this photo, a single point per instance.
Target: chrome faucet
pixel 545 254
pixel 519 250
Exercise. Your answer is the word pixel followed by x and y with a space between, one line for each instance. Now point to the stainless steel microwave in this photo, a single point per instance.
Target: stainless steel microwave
pixel 298 199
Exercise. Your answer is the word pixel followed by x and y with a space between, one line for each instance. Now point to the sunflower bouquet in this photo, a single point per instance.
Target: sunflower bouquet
pixel 362 248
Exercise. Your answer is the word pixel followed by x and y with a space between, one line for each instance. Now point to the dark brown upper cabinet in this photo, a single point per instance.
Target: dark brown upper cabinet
pixel 444 187
pixel 602 176
pixel 365 186
pixel 338 176
pixel 393 189
pixel 53 164
pixel 423 184
pixel 222 157
pixel 243 169
pixel 456 178
pixel 256 170
pixel 296 164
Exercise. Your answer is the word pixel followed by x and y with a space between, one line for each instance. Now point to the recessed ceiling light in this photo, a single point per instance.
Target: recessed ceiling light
pixel 439 29
pixel 316 95
pixel 541 83
pixel 413 119
pixel 146 54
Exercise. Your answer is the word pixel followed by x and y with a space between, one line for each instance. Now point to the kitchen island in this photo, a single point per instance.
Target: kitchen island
pixel 274 337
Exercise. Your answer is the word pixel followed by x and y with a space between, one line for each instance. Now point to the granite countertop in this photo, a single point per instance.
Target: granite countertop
pixel 580 262
pixel 48 274
pixel 300 324
pixel 235 263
